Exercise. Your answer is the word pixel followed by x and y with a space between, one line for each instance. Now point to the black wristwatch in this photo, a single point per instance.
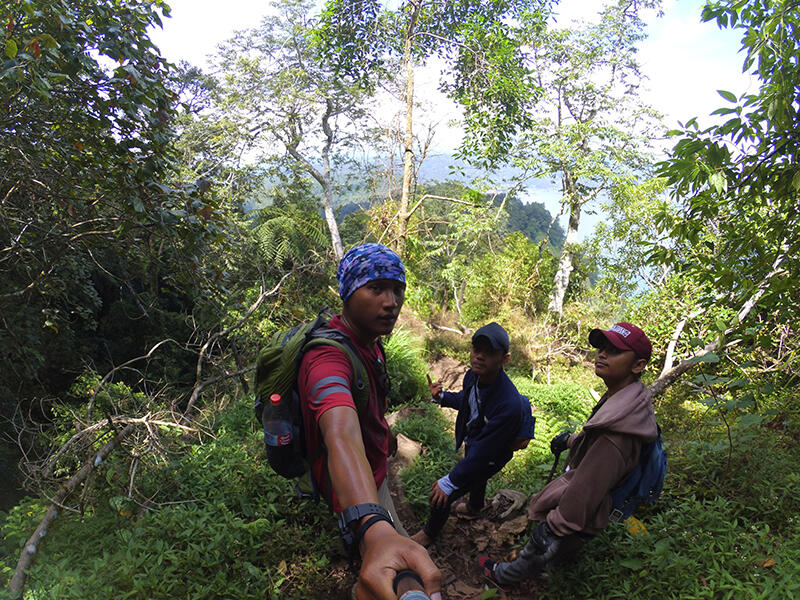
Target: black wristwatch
pixel 353 514
pixel 351 529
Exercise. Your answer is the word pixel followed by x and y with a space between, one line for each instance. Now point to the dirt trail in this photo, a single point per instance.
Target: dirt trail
pixel 456 550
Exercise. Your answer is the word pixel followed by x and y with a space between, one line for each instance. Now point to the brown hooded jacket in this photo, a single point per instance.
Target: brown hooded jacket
pixel 600 456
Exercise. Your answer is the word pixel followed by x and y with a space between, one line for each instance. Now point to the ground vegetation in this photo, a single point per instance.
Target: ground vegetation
pixel 145 260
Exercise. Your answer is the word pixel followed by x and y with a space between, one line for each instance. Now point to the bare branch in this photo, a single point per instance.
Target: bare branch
pixel 199 385
pixel 108 375
pixel 668 377
pixel 675 337
pixel 17 582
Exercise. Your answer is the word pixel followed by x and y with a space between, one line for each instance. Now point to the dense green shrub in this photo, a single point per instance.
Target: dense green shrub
pixel 406 367
pixel 556 407
pixel 699 549
pixel 568 402
pixel 705 538
pixel 518 277
pixel 429 426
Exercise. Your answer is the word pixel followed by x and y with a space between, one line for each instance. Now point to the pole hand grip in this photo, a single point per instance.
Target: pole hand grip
pixel 408 586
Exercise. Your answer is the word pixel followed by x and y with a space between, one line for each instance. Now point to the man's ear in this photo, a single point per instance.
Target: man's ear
pixel 506 356
pixel 638 366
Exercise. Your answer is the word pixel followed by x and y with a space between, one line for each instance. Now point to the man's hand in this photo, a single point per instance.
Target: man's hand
pixel 437 497
pixel 435 387
pixel 384 552
pixel 559 443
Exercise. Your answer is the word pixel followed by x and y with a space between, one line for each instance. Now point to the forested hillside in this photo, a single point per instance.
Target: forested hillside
pixel 159 221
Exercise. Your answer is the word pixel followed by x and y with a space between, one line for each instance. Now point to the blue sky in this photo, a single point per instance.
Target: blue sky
pixel 686 62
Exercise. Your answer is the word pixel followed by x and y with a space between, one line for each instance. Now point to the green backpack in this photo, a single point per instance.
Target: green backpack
pixel 276 373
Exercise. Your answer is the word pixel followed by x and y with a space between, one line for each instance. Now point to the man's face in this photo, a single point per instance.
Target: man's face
pixel 373 308
pixel 486 361
pixel 612 364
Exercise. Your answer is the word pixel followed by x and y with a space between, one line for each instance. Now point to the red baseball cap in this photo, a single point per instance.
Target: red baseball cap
pixel 623 336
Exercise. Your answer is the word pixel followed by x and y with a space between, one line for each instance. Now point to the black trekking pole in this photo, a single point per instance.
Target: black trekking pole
pixel 408 586
pixel 553 468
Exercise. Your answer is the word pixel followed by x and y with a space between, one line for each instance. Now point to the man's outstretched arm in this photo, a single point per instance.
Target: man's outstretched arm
pixel 384 552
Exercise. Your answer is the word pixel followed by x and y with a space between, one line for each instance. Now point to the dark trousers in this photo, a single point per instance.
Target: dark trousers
pixel 438 516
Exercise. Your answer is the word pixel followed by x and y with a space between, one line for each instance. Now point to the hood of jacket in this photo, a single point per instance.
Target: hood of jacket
pixel 629 411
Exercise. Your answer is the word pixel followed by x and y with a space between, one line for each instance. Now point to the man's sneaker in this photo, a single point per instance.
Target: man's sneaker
pixel 463 511
pixel 487 566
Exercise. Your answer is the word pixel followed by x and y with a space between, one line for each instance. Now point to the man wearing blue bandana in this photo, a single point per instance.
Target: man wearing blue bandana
pixel 352 468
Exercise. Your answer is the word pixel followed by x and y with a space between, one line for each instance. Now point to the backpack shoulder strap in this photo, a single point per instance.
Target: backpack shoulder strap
pixel 329 336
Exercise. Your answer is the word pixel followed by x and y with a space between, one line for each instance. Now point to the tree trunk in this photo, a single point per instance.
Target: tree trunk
pixel 324 177
pixel 561 279
pixel 408 142
pixel 330 219
pixel 327 188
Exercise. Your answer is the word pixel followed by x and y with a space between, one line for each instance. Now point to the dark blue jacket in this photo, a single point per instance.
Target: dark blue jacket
pixel 499 420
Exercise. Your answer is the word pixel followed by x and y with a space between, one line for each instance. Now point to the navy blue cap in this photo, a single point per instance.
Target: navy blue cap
pixel 497 336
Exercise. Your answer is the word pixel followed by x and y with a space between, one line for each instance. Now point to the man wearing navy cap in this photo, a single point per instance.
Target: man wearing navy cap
pixel 491 414
pixel 577 505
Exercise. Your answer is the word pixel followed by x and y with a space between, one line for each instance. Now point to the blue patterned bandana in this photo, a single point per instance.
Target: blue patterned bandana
pixel 366 263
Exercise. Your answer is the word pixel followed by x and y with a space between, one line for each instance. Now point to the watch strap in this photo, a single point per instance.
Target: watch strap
pixel 367 524
pixel 353 514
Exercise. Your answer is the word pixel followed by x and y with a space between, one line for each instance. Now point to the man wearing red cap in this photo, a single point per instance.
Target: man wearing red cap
pixel 577 505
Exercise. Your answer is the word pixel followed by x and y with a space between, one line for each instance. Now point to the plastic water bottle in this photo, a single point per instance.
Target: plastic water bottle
pixel 282 453
pixel 277 423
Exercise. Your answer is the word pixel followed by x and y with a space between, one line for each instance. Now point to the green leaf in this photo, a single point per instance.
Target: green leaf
pixel 718 182
pixel 663 546
pixel 632 563
pixel 796 180
pixel 704 379
pixel 11 48
pixel 750 420
pixel 727 95
pixel 696 342
pixel 48 40
pixel 707 357
pixel 737 383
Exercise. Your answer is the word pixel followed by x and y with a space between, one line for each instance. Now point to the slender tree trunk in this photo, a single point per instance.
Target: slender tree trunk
pixel 324 177
pixel 330 218
pixel 408 142
pixel 327 188
pixel 561 279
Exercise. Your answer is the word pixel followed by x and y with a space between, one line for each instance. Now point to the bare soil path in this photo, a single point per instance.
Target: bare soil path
pixel 462 541
pixel 493 533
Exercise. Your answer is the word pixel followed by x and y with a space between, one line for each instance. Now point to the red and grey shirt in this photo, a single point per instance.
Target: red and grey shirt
pixel 324 382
